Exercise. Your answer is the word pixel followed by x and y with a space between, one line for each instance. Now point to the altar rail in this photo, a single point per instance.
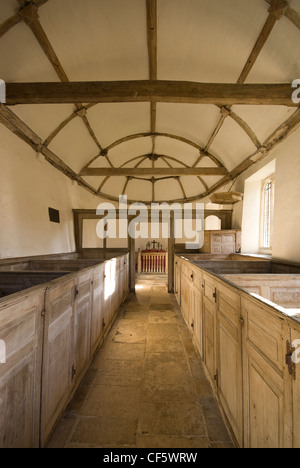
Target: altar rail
pixel 48 337
pixel 152 262
pixel 246 345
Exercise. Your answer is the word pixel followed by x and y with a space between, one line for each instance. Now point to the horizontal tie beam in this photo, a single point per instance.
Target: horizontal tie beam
pixel 172 171
pixel 150 91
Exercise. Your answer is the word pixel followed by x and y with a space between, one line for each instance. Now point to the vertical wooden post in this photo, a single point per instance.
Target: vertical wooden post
pixel 171 249
pixel 105 248
pixel 139 262
pixel 131 246
pixel 78 229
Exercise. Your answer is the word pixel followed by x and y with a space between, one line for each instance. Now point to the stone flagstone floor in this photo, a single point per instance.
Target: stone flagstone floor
pixel 145 387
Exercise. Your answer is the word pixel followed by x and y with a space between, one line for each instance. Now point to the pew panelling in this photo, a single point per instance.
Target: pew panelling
pixel 21 332
pixel 247 349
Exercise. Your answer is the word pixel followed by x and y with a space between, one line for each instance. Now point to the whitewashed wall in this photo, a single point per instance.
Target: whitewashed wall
pixel 28 187
pixel 286 231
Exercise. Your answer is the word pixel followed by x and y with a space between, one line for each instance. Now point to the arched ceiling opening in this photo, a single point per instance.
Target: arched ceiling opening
pixel 169 106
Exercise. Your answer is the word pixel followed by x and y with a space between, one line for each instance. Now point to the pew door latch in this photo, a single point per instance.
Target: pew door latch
pixel 289 359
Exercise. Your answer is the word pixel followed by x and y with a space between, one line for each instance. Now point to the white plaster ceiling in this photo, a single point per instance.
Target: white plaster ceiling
pixel 198 40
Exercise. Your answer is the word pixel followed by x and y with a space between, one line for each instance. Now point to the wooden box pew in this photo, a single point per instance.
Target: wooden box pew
pixel 249 349
pixel 15 281
pixel 21 344
pixel 48 337
pixel 64 265
pixel 231 266
pixel 281 289
pixel 14 266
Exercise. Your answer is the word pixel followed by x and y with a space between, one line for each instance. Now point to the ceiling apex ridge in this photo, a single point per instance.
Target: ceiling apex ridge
pixel 82 112
pixel 278 8
pixel 225 111
pixel 29 13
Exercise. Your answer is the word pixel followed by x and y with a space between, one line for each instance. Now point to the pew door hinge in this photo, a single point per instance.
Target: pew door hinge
pixel 215 295
pixel 289 360
pixel 216 378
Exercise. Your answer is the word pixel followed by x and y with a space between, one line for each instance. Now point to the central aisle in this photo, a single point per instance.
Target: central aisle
pixel 146 387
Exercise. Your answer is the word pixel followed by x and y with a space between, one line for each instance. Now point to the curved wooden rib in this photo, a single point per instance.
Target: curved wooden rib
pixel 63 124
pixel 143 158
pixel 102 184
pixel 165 135
pixel 277 9
pixel 17 18
pixel 9 24
pixel 246 128
pixel 164 158
pixel 180 162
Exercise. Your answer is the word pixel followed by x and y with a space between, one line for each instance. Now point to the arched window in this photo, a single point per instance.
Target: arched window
pixel 212 223
pixel 267 214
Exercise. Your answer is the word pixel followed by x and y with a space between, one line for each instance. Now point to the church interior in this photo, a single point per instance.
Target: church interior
pixel 123 327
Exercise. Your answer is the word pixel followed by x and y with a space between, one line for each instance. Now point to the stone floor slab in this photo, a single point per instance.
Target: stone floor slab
pixel 172 419
pixel 150 441
pixel 146 387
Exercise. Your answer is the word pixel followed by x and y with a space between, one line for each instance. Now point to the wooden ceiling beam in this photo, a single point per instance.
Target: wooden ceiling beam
pixel 152 53
pixel 31 17
pixel 17 18
pixel 29 13
pixel 20 129
pixel 291 14
pixel 152 37
pixel 276 11
pixel 145 91
pixel 140 172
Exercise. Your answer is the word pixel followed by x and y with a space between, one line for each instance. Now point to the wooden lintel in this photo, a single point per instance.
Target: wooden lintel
pixel 149 91
pixel 172 171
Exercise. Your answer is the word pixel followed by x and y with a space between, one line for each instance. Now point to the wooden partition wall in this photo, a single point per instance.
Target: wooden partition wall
pixel 246 345
pixel 50 333
pixel 79 216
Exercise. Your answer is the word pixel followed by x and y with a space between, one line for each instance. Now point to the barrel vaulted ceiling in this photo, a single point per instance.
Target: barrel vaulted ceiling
pixel 147 146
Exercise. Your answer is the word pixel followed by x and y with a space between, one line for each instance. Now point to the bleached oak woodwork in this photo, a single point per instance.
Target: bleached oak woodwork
pixel 209 327
pixel 51 333
pixel 246 345
pixel 82 322
pixel 59 353
pixel 229 357
pixel 268 413
pixel 273 287
pixel 97 317
pixel 198 313
pixel 21 326
pixel 295 335
pixel 171 253
pixel 221 242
